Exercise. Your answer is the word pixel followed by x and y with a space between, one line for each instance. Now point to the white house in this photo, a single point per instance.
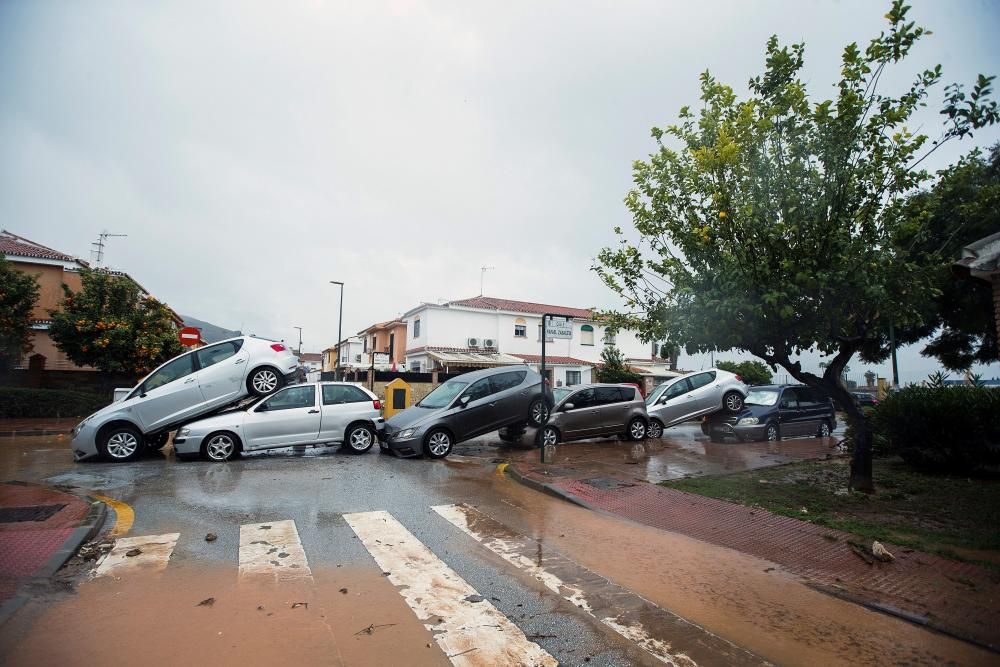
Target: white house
pixel 351 351
pixel 484 331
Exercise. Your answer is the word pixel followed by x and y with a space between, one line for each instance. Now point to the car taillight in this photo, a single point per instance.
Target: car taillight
pixel 739 379
pixel 278 347
pixel 377 404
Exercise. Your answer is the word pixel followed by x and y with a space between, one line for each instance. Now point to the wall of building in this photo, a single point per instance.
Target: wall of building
pixel 50 281
pixel 55 360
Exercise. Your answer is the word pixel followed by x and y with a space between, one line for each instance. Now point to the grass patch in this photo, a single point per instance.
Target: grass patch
pixel 955 517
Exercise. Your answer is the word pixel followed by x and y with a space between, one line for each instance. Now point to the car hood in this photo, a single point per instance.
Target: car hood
pixel 411 417
pixel 225 420
pixel 756 410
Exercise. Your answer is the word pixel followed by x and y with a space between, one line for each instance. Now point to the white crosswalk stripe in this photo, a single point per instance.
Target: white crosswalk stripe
pixel 272 549
pixel 147 552
pixel 469 629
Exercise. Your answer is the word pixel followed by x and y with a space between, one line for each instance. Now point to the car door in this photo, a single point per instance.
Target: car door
pixel 169 395
pixel 676 404
pixel 510 396
pixel 789 413
pixel 221 370
pixel 611 408
pixel 580 416
pixel 475 415
pixel 288 417
pixel 705 390
pixel 342 404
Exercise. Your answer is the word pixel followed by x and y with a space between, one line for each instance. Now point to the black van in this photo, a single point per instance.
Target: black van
pixel 772 412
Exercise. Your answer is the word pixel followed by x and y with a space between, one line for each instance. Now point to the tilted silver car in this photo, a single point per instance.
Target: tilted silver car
pixel 188 386
pixel 595 410
pixel 693 395
pixel 305 414
pixel 464 407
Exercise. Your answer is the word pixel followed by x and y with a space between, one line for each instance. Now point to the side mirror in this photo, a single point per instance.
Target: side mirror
pixel 568 406
pixel 262 407
pixel 465 400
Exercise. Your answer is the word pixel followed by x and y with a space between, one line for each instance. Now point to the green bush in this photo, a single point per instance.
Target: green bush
pixel 21 403
pixel 946 429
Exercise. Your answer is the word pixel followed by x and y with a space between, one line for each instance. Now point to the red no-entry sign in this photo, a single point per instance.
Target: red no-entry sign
pixel 190 336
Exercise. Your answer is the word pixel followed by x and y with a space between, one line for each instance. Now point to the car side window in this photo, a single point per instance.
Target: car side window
pixel 701 379
pixel 806 398
pixel 505 381
pixel 294 397
pixel 175 370
pixel 213 354
pixel 607 395
pixel 479 389
pixel 582 399
pixel 337 394
pixel 678 388
pixel 789 399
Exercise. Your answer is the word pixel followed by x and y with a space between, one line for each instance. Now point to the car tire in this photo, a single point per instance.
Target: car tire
pixel 220 447
pixel 438 444
pixel 772 433
pixel 264 381
pixel 120 443
pixel 733 402
pixel 359 439
pixel 637 429
pixel 511 433
pixel 538 412
pixel 824 429
pixel 158 441
pixel 548 435
pixel 655 429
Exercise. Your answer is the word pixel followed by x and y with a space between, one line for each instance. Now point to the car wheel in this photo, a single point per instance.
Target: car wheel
pixel 637 429
pixel 824 429
pixel 120 443
pixel 655 428
pixel 158 441
pixel 219 447
pixel 772 432
pixel 359 438
pixel 511 433
pixel 264 381
pixel 733 401
pixel 548 436
pixel 538 413
pixel 438 444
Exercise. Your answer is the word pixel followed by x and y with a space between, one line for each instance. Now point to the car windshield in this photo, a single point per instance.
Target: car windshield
pixel 559 393
pixel 656 393
pixel 443 395
pixel 762 397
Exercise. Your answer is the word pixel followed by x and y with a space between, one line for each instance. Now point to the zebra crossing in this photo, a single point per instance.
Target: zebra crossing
pixel 467 627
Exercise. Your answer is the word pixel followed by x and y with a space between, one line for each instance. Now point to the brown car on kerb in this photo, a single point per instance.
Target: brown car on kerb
pixel 593 411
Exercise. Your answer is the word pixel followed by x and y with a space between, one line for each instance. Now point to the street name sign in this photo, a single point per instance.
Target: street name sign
pixel 558 328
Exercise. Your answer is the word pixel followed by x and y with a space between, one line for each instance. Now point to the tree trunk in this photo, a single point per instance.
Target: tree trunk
pixel 861 459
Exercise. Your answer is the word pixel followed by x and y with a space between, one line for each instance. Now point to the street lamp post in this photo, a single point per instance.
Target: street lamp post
pixel 340 323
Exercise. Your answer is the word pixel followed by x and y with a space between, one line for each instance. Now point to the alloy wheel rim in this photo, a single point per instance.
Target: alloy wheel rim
pixel 122 445
pixel 654 430
pixel 824 430
pixel 638 430
pixel 220 447
pixel 772 433
pixel 733 403
pixel 540 413
pixel 361 439
pixel 265 381
pixel 439 443
pixel 549 437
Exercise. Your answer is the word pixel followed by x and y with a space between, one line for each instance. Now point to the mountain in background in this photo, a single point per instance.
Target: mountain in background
pixel 210 333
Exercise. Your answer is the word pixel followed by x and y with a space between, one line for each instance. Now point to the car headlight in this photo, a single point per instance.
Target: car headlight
pixel 408 433
pixel 79 427
pixel 184 432
pixel 748 421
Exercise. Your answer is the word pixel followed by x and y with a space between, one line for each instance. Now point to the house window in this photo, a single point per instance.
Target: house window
pixel 586 335
pixel 572 378
pixel 415 366
pixel 609 338
pixel 416 328
pixel 364 343
pixel 520 328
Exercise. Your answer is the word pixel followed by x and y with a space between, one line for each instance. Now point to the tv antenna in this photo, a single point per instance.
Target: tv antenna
pixel 102 239
pixel 482 277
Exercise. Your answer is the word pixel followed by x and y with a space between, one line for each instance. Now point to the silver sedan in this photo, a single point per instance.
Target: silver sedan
pixel 307 414
pixel 694 395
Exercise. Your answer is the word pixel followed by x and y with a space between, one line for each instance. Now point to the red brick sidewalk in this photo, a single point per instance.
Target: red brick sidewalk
pixel 960 599
pixel 38 526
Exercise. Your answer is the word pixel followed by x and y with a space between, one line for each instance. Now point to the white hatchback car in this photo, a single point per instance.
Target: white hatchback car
pixel 306 414
pixel 694 395
pixel 187 387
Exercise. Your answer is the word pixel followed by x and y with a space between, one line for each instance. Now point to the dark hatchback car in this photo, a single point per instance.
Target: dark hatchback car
pixel 773 412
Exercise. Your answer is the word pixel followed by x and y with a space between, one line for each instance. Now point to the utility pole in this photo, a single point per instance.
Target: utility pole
pixel 340 323
pixel 892 346
pixel 300 339
pixel 482 277
pixel 101 242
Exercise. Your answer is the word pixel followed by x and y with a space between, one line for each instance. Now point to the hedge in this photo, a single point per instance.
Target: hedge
pixel 945 429
pixel 20 403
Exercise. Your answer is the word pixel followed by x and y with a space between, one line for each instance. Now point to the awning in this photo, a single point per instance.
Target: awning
pixel 476 359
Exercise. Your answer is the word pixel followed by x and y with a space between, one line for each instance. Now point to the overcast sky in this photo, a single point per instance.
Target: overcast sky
pixel 254 151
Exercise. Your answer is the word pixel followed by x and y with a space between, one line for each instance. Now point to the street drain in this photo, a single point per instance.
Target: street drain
pixel 606 483
pixel 30 513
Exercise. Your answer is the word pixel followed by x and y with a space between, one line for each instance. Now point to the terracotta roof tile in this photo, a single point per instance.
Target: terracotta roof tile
pixel 12 244
pixel 491 303
pixel 550 359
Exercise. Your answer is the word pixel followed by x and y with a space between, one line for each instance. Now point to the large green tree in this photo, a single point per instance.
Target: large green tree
pixel 752 372
pixel 111 325
pixel 18 294
pixel 614 367
pixel 773 224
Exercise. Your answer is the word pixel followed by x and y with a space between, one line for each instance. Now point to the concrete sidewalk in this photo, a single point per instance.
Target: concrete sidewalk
pixel 37 426
pixel 959 599
pixel 40 529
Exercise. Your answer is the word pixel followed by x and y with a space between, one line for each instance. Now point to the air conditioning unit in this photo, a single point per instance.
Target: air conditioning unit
pixel 473 342
pixel 357 358
pixel 489 344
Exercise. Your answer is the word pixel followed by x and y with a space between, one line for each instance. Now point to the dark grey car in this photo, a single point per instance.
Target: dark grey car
pixel 465 407
pixel 772 412
pixel 594 410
